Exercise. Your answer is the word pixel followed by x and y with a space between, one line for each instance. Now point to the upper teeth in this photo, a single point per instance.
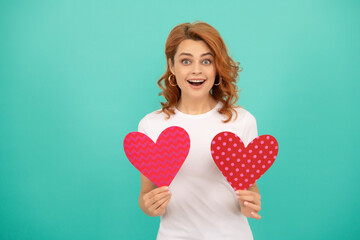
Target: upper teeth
pixel 196 80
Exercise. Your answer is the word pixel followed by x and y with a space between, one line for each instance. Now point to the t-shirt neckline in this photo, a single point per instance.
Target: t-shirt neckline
pixel 211 111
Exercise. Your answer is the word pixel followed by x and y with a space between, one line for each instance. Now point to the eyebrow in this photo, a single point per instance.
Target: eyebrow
pixel 189 54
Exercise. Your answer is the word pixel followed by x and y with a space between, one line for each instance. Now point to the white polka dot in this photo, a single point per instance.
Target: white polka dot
pixel 258 171
pixel 225 134
pixel 253 166
pixel 244 155
pixel 213 142
pixel 241 175
pixel 252 175
pixel 240 184
pixel 229 149
pixel 237 169
pixel 230 139
pixel 212 152
pixel 233 155
pixel 236 179
pixel 274 157
pixel 267 137
pixel 239 150
pixel 269 162
pixel 221 163
pixel 262 142
pixel 227 159
pixel 219 138
pixel 272 142
pixel 270 152
pixel 266 147
pixel 246 180
pixel 238 160
pixel 247 170
pixel 254 156
pixel 257 137
pixel 249 160
pixel 231 174
pixel 259 161
pixel 232 164
pixel 250 151
pixel 218 148
pixel 226 168
pixel 265 156
pixel 256 146
pixel 224 143
pixel 223 153
pixel 242 165
pixel 263 166
pixel 260 151
pixel 235 145
pixel 216 157
pixel 276 147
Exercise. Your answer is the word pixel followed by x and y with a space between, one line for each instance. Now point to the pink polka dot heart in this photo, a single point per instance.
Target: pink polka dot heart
pixel 243 166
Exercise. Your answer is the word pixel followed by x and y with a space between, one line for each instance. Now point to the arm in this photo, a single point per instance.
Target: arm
pixel 152 200
pixel 249 201
pixel 254 188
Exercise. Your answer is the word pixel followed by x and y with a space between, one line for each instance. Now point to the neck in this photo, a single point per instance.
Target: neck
pixel 196 106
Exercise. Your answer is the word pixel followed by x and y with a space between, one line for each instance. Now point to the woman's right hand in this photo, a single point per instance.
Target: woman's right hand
pixel 156 200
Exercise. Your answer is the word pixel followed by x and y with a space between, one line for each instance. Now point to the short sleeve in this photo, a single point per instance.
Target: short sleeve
pixel 142 127
pixel 251 131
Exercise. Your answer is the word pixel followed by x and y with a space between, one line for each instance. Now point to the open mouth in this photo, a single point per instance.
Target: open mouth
pixel 196 82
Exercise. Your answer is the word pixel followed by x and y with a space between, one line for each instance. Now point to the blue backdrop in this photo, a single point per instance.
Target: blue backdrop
pixel 76 76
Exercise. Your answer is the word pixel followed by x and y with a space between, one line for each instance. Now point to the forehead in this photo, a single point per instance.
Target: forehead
pixel 195 48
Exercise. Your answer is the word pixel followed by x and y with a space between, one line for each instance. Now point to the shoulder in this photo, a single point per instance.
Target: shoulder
pixel 243 115
pixel 153 117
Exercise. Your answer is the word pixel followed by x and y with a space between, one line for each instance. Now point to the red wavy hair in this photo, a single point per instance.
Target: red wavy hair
pixel 226 67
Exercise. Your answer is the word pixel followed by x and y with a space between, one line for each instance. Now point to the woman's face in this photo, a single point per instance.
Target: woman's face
pixel 194 69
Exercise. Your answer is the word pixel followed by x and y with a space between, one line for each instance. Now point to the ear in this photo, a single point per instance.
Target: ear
pixel 171 67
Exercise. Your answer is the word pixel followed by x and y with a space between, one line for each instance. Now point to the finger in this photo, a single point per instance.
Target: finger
pixel 256 215
pixel 162 201
pixel 158 197
pixel 158 204
pixel 247 192
pixel 161 209
pixel 156 191
pixel 242 192
pixel 255 207
pixel 249 199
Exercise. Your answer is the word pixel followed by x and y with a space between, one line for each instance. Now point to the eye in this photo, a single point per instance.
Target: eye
pixel 185 60
pixel 207 61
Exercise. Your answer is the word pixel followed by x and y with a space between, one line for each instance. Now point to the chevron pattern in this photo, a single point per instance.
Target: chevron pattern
pixel 160 161
pixel 243 166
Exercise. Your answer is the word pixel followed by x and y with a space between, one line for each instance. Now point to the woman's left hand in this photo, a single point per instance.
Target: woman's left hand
pixel 249 203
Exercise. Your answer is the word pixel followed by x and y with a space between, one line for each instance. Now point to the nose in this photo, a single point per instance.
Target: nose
pixel 197 68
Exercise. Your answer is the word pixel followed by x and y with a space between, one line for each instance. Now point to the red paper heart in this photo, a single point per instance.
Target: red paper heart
pixel 242 166
pixel 159 162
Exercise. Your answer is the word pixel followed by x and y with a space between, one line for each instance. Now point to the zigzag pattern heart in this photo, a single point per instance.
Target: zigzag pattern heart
pixel 160 161
pixel 242 166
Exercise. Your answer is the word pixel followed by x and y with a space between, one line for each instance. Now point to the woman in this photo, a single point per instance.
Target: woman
pixel 199 86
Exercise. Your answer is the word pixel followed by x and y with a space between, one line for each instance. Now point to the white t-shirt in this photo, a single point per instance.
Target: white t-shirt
pixel 203 204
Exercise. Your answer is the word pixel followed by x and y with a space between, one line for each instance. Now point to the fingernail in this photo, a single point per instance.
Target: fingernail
pixel 246 203
pixel 252 213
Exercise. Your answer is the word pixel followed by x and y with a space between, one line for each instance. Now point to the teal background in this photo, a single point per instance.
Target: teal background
pixel 77 76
